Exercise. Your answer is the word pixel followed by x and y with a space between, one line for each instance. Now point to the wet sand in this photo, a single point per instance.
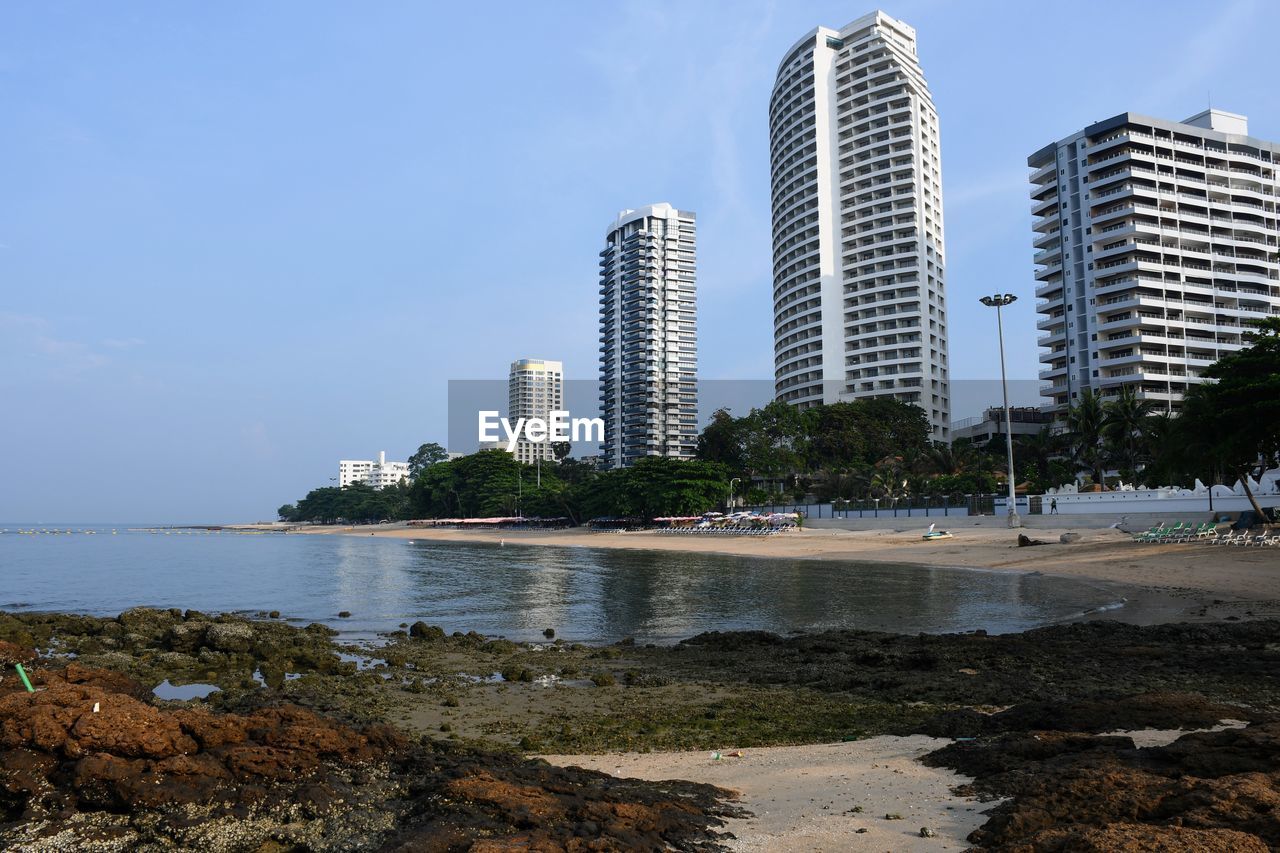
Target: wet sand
pixel 822 798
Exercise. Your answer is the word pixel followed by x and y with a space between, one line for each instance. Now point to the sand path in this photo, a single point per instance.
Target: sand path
pixel 803 797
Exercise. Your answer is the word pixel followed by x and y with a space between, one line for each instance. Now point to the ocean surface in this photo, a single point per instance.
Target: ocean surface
pixel 585 594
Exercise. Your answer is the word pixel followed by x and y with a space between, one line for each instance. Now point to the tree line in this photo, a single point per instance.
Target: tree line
pixel 874 448
pixel 492 483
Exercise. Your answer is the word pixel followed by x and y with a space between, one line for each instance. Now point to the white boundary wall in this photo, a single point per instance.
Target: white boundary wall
pixel 1166 500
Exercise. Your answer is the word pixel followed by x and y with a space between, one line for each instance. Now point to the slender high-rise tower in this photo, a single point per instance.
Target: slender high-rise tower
pixel 535 389
pixel 1156 245
pixel 648 336
pixel 858 261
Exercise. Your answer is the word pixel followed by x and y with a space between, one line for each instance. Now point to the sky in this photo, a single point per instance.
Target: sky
pixel 239 242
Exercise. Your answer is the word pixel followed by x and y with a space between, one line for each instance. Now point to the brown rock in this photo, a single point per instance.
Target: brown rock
pixel 246 762
pixel 211 730
pixel 1140 838
pixel 125 727
pixel 11 653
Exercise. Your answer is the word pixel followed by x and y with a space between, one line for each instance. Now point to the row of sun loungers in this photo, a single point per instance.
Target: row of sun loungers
pixel 1207 532
pixel 736 531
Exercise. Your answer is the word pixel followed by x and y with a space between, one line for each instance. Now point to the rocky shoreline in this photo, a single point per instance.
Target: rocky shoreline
pixel 419 742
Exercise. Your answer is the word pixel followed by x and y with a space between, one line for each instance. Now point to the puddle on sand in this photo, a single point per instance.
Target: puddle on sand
pixel 183 692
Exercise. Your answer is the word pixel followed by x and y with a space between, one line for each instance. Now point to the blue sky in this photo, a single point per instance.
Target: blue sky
pixel 241 241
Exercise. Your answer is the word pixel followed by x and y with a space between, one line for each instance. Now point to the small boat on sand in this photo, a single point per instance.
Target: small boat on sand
pixel 932 534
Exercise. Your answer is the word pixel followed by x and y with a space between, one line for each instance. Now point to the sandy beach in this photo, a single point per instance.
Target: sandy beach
pixel 827 797
pixel 1217 581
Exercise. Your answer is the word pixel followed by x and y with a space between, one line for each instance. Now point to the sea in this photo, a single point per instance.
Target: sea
pixel 593 595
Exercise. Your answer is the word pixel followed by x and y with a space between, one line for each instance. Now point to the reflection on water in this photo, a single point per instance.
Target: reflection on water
pixel 583 593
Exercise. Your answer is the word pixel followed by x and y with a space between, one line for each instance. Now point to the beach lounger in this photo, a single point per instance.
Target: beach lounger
pixel 1198 531
pixel 1146 534
pixel 1263 539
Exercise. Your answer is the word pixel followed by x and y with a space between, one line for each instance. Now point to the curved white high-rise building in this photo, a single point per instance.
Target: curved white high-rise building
pixel 858 260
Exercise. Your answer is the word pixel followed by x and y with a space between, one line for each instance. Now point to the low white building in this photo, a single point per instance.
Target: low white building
pixel 379 474
pixel 1024 420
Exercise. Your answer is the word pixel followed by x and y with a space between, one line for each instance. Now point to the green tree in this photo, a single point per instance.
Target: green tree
pixel 426 455
pixel 286 512
pixel 772 441
pixel 1124 428
pixel 722 441
pixel 1237 416
pixel 1085 422
pixel 835 437
pixel 1037 453
pixel 657 486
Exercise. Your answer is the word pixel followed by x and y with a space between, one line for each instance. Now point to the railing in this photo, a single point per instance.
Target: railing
pixel 915 506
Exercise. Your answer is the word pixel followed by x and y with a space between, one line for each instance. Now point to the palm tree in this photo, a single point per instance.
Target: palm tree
pixel 953 459
pixel 1173 455
pixel 1125 426
pixel 1086 421
pixel 889 478
pixel 1039 450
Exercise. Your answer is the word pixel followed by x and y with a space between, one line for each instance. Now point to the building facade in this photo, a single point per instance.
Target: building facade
pixel 379 474
pixel 1023 420
pixel 1156 242
pixel 649 336
pixel 859 307
pixel 535 389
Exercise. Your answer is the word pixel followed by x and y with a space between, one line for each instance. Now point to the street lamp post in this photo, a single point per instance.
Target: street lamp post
pixel 998 301
pixel 729 506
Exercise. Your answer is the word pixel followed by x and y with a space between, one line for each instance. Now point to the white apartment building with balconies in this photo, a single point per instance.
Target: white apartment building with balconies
pixel 649 336
pixel 1156 242
pixel 379 474
pixel 535 389
pixel 858 257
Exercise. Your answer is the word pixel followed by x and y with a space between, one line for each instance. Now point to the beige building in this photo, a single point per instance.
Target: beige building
pixel 535 389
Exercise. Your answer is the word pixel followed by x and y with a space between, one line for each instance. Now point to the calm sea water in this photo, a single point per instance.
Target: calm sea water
pixel 585 594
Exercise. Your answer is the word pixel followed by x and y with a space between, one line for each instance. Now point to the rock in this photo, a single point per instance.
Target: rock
pixel 1025 541
pixel 274 614
pixel 11 653
pixel 926 832
pixel 1092 793
pixel 1069 537
pixel 234 637
pixel 423 631
pixel 186 637
pixel 549 633
pixel 893 816
pixel 344 614
pixel 1139 838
